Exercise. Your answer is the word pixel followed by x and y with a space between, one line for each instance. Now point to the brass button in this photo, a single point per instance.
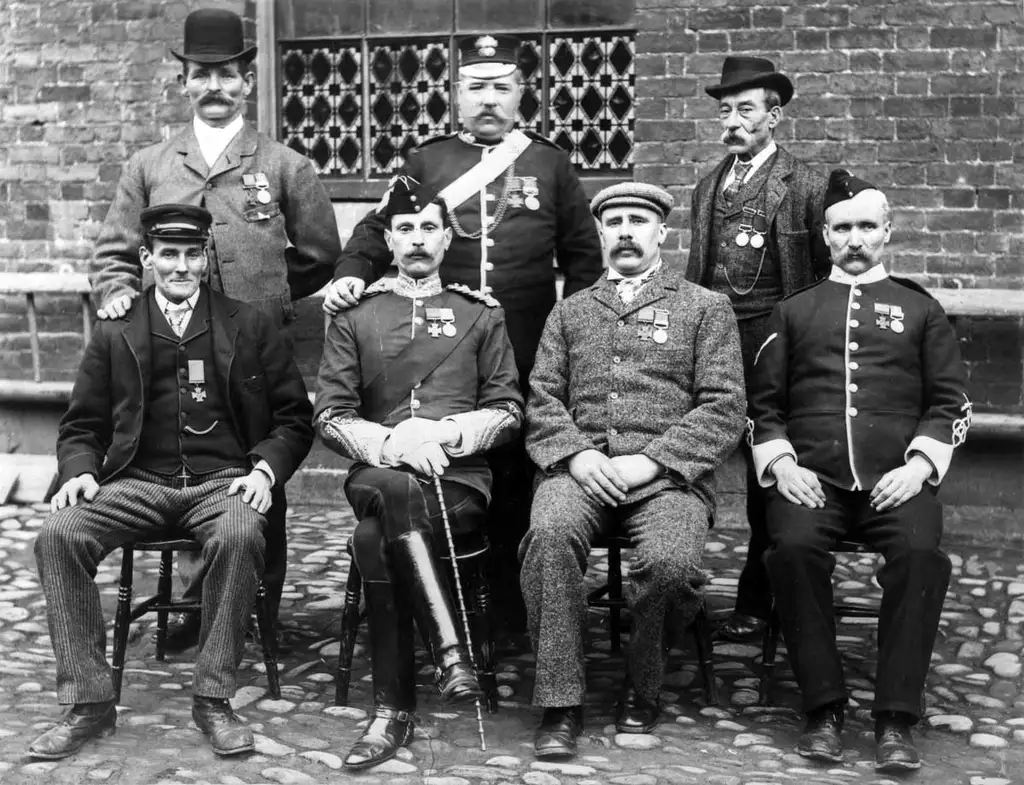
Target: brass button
pixel 854 346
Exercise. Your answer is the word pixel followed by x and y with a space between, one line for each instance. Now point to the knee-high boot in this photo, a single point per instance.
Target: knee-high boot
pixel 394 678
pixel 416 566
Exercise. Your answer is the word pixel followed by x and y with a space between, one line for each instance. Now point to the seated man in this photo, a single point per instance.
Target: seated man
pixel 858 401
pixel 415 382
pixel 185 414
pixel 636 398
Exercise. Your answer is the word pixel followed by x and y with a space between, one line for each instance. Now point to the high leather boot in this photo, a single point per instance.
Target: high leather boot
pixel 416 566
pixel 394 679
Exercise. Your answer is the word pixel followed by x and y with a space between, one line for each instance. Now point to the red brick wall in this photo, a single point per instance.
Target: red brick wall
pixel 922 97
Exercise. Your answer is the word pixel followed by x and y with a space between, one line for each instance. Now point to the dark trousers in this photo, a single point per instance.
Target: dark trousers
pixel 754 591
pixel 913 580
pixel 73 541
pixel 508 519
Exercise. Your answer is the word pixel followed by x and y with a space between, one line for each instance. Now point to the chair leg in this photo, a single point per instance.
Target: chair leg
pixel 483 636
pixel 163 593
pixel 768 648
pixel 122 618
pixel 705 651
pixel 268 642
pixel 615 596
pixel 349 630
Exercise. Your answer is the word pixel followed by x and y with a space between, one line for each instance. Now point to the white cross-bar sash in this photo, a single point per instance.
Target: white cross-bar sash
pixel 490 167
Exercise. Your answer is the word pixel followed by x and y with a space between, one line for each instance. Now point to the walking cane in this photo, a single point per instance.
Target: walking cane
pixel 462 600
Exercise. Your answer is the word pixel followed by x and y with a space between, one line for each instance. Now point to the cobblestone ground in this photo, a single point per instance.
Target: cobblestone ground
pixel 974 732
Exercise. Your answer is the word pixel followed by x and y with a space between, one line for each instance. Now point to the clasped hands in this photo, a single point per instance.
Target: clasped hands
pixel 802 486
pixel 609 479
pixel 420 443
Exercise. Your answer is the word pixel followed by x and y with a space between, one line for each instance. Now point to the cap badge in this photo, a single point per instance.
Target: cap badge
pixel 486 46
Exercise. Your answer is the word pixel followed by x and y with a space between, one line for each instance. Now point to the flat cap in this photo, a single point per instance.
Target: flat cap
pixel 842 186
pixel 643 195
pixel 176 222
pixel 488 56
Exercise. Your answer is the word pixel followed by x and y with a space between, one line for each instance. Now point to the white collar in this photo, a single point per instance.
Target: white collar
pixel 615 275
pixel 758 160
pixel 213 141
pixel 874 275
pixel 162 302
pixel 417 287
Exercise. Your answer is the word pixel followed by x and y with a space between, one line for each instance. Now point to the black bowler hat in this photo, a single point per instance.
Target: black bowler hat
pixel 176 222
pixel 488 56
pixel 213 35
pixel 406 195
pixel 842 186
pixel 743 72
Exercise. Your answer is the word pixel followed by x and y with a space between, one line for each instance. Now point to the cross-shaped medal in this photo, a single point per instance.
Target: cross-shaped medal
pixel 434 329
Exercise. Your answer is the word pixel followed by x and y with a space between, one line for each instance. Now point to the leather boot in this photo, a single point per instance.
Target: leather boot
pixel 83 721
pixel 821 738
pixel 439 623
pixel 894 746
pixel 394 678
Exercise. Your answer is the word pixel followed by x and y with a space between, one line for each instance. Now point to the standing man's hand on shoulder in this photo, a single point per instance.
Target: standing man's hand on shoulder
pixel 343 294
pixel 797 484
pixel 116 308
pixel 595 473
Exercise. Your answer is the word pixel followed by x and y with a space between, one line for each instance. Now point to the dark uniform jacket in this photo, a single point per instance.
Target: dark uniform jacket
pixel 265 254
pixel 598 385
pixel 794 196
pixel 267 399
pixel 519 245
pixel 388 359
pixel 854 376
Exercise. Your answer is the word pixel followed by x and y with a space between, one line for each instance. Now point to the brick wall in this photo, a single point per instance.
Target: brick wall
pixel 925 98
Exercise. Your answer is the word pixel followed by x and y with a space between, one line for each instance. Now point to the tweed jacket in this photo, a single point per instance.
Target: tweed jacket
pixel 270 409
pixel 794 196
pixel 598 385
pixel 855 375
pixel 263 254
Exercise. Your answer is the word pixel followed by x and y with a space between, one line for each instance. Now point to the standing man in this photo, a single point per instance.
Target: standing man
pixel 756 238
pixel 416 381
pixel 858 403
pixel 274 237
pixel 516 205
pixel 636 399
pixel 187 414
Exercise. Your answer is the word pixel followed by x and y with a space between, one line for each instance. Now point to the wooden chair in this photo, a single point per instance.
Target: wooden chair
pixel 162 603
pixel 772 629
pixel 472 561
pixel 609 595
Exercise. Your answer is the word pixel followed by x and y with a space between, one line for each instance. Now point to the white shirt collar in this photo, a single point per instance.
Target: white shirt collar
pixel 213 141
pixel 756 162
pixel 615 275
pixel 417 287
pixel 874 275
pixel 162 302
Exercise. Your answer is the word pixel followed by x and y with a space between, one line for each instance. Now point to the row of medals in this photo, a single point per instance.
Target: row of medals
pixel 523 191
pixel 257 188
pixel 747 234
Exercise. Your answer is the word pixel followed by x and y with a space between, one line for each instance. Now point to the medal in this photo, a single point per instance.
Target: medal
pixel 197 378
pixel 515 192
pixel 447 322
pixel 757 240
pixel 532 203
pixel 746 227
pixel 434 319
pixel 645 322
pixel 263 197
pixel 263 184
pixel 896 326
pixel 198 393
pixel 660 325
pixel 742 238
pixel 531 191
pixel 448 330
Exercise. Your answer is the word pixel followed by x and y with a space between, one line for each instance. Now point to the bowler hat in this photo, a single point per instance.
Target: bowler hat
pixel 213 35
pixel 743 72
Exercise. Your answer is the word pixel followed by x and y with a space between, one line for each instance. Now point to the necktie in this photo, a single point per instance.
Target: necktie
pixel 739 171
pixel 627 289
pixel 176 316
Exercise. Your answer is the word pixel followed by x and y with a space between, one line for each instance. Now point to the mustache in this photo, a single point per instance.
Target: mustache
pixel 731 138
pixel 214 99
pixel 417 255
pixel 627 245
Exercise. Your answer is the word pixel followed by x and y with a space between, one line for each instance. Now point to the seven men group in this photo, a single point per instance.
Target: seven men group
pixel 626 396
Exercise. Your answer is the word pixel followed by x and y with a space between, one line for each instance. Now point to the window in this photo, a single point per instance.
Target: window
pixel 363 81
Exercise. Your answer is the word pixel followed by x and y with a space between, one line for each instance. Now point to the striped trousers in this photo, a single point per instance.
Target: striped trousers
pixel 73 541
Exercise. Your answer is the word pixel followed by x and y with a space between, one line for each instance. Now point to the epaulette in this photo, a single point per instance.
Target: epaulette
pixel 380 286
pixel 914 285
pixel 436 139
pixel 805 288
pixel 473 294
pixel 536 137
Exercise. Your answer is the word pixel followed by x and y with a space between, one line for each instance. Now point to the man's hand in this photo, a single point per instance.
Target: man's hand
pixel 116 308
pixel 636 470
pixel 902 484
pixel 598 477
pixel 429 459
pixel 343 294
pixel 255 488
pixel 409 435
pixel 83 485
pixel 797 484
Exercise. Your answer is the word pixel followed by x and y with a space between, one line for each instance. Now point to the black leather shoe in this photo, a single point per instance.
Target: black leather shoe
pixel 388 731
pixel 636 714
pixel 458 684
pixel 183 631
pixel 557 733
pixel 741 628
pixel 82 722
pixel 228 734
pixel 821 737
pixel 894 746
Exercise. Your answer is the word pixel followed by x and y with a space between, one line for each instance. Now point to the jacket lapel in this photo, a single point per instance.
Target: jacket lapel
pixel 653 291
pixel 136 335
pixel 242 146
pixel 604 292
pixel 188 146
pixel 776 187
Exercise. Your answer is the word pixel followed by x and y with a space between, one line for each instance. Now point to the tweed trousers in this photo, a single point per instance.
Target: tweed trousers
pixel 668 530
pixel 73 541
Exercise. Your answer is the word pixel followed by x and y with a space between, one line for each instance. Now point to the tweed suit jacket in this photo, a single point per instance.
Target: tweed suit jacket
pixel 597 385
pixel 270 409
pixel 794 196
pixel 265 254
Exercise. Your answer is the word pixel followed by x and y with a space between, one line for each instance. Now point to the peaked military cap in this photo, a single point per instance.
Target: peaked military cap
pixel 214 35
pixel 842 186
pixel 643 195
pixel 488 56
pixel 176 222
